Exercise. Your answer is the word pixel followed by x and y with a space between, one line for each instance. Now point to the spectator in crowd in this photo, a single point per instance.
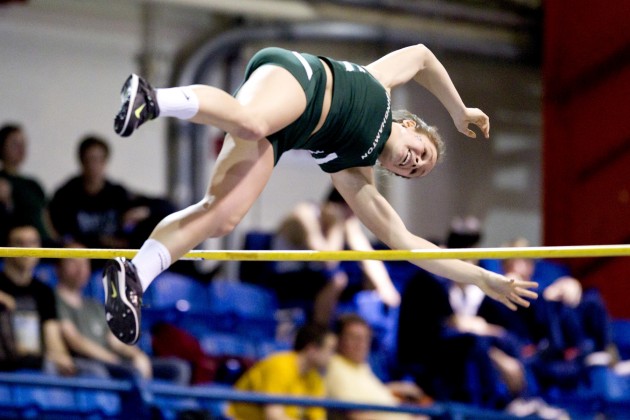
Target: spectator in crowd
pixel 295 373
pixel 464 347
pixel 93 210
pixel 88 337
pixel 30 332
pixel 445 354
pixel 330 226
pixel 562 330
pixel 22 199
pixel 89 208
pixel 349 376
pixel 465 358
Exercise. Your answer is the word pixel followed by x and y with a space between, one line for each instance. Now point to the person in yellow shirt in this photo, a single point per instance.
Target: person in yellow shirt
pixel 349 376
pixel 293 373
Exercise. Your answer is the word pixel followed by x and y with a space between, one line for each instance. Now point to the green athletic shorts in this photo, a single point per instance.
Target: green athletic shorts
pixel 309 71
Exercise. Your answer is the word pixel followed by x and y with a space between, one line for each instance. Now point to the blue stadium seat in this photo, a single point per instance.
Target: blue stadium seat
pixel 101 403
pixel 94 288
pixel 243 308
pixel 220 344
pixel 545 272
pixel 267 347
pixel 9 407
pixel 382 319
pixel 46 273
pixel 621 336
pixel 175 291
pixel 44 399
pixel 30 398
pixel 493 265
pixel 371 308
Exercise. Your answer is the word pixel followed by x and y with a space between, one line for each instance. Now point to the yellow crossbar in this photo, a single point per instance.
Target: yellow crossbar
pixel 385 255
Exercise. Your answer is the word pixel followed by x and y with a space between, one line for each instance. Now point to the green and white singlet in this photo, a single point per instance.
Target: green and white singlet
pixel 359 121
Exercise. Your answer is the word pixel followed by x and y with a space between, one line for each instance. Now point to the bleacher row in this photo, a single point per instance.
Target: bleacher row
pixel 230 317
pixel 37 396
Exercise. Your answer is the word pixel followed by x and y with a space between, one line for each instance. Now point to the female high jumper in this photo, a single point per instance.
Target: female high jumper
pixel 341 113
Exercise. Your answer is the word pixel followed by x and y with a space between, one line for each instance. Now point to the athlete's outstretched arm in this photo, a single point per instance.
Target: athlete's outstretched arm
pixel 357 187
pixel 420 64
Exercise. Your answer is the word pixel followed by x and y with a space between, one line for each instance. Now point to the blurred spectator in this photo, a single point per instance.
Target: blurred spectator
pixel 22 199
pixel 295 373
pixel 465 232
pixel 565 328
pixel 31 336
pixel 92 210
pixel 89 208
pixel 169 340
pixel 349 376
pixel 330 226
pixel 457 348
pixel 85 331
pixel 452 358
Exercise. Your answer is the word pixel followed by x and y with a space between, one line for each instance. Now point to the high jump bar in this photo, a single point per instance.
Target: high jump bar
pixel 580 251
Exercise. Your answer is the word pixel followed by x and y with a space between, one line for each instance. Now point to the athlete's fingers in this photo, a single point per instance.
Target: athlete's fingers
pixel 526 293
pixel 519 300
pixel 527 284
pixel 508 303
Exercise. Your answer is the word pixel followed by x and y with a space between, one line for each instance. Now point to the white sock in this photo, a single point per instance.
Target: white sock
pixel 150 261
pixel 179 102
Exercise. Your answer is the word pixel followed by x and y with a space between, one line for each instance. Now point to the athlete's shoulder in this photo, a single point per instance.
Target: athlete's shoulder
pixel 379 77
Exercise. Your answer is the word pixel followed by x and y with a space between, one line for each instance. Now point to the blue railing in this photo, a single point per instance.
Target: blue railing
pixel 136 398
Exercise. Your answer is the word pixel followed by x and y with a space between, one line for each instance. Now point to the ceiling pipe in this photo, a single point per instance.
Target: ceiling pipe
pixel 507 15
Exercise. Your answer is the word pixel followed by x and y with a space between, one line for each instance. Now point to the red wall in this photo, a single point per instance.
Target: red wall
pixel 586 105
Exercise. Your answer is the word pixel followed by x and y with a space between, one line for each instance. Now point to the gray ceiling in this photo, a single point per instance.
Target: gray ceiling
pixel 508 29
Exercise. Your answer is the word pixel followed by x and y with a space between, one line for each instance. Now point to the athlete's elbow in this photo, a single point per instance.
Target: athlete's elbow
pixel 421 49
pixel 226 226
pixel 423 53
pixel 223 230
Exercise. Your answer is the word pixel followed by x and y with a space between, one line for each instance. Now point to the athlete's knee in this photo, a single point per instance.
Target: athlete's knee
pixel 219 221
pixel 252 127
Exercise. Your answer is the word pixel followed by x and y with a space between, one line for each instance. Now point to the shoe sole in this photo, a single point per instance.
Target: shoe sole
pixel 121 315
pixel 126 129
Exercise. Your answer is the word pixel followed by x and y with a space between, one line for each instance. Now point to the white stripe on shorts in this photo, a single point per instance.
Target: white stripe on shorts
pixel 326 159
pixel 307 67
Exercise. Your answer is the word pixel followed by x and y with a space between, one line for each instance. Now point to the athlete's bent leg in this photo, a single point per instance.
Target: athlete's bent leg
pixel 240 174
pixel 268 101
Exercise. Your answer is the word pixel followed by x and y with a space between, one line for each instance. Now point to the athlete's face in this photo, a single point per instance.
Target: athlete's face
pixel 407 152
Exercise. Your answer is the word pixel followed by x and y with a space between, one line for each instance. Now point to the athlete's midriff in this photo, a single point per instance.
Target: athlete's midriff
pixel 347 116
pixel 327 97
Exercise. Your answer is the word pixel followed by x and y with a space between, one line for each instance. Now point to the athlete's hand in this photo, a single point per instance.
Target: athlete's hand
pixel 509 291
pixel 472 116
